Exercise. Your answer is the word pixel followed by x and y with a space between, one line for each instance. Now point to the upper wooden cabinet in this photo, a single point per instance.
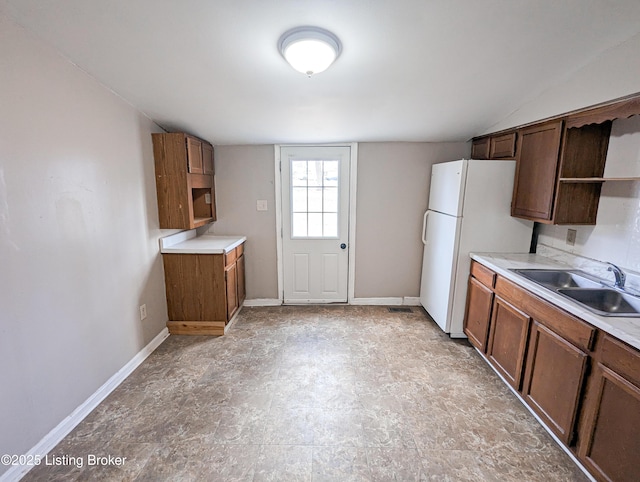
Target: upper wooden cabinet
pixel 184 181
pixel 501 146
pixel 480 148
pixel 556 168
pixel 537 161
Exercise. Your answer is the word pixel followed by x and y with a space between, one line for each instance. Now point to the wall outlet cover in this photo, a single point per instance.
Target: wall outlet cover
pixel 571 237
pixel 143 311
pixel 261 204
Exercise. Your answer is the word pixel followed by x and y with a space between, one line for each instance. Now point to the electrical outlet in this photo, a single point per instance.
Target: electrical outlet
pixel 261 205
pixel 207 198
pixel 143 311
pixel 571 237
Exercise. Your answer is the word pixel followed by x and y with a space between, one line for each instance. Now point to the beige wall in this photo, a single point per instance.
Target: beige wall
pixel 245 174
pixel 78 238
pixel 393 188
pixel 393 192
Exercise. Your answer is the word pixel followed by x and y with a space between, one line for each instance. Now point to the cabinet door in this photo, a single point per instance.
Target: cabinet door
pixel 480 148
pixel 230 274
pixel 552 392
pixel 537 164
pixel 611 449
pixel 507 341
pixel 194 155
pixel 478 315
pixel 207 158
pixel 240 275
pixel 503 147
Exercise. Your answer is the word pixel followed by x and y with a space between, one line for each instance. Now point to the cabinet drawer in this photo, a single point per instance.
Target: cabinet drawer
pixel 230 257
pixel 503 147
pixel 621 358
pixel 483 274
pixel 569 327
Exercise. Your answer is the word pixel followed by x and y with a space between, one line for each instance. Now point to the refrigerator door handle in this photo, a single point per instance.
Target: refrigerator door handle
pixel 424 228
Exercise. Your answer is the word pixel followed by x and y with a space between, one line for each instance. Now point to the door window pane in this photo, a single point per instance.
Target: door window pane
pixel 330 204
pixel 314 198
pixel 330 224
pixel 315 225
pixel 298 173
pixel 330 170
pixel 314 173
pixel 299 225
pixel 299 200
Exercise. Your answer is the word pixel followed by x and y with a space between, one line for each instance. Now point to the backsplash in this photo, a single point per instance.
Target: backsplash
pixel 616 235
pixel 592 266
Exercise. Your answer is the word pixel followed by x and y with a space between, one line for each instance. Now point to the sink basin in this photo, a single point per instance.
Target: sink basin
pixel 559 279
pixel 603 301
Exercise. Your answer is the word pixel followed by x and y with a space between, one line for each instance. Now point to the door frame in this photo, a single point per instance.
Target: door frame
pixel 353 169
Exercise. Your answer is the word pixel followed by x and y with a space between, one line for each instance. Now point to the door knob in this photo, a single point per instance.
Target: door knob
pixel 343 246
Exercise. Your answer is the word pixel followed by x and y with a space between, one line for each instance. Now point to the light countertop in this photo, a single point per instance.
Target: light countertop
pixel 625 329
pixel 187 242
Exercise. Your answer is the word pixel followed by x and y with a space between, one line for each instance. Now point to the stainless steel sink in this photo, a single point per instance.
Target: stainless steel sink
pixel 557 279
pixel 604 301
pixel 585 290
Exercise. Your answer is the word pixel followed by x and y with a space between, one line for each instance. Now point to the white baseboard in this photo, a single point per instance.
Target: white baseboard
pixel 391 301
pixel 263 302
pixel 54 437
pixel 412 301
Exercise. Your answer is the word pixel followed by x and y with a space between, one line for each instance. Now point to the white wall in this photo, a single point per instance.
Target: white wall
pixel 614 73
pixel 245 174
pixel 78 238
pixel 616 235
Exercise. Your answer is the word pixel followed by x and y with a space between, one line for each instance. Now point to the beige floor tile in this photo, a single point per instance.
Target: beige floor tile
pixel 315 393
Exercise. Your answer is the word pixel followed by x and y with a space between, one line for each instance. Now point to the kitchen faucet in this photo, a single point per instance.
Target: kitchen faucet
pixel 619 274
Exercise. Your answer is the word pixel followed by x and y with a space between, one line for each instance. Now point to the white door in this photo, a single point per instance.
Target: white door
pixel 315 223
pixel 440 238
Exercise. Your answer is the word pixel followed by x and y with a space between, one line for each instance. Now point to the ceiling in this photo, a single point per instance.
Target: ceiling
pixel 421 70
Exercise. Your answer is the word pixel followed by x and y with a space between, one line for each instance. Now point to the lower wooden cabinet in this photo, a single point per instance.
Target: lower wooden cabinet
pixel 231 280
pixel 610 442
pixel 583 384
pixel 202 291
pixel 554 379
pixel 242 291
pixel 507 340
pixel 478 313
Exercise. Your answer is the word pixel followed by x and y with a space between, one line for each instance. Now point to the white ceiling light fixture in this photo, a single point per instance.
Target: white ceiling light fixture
pixel 309 50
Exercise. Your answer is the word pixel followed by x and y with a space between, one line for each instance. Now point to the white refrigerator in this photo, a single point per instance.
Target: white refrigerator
pixel 469 211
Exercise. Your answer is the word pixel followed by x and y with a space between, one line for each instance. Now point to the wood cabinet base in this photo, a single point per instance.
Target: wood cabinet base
pixel 209 328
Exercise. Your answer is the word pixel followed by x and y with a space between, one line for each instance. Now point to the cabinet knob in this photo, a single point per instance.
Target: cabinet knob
pixel 343 246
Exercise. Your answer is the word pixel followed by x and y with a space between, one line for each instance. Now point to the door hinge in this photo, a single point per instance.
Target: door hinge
pixel 280 165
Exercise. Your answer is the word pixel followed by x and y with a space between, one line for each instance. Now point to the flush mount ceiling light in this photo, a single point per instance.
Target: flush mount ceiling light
pixel 309 50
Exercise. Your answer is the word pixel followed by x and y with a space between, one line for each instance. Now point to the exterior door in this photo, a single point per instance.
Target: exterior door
pixel 315 223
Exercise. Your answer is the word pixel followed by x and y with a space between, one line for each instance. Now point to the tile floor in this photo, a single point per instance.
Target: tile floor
pixel 335 393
